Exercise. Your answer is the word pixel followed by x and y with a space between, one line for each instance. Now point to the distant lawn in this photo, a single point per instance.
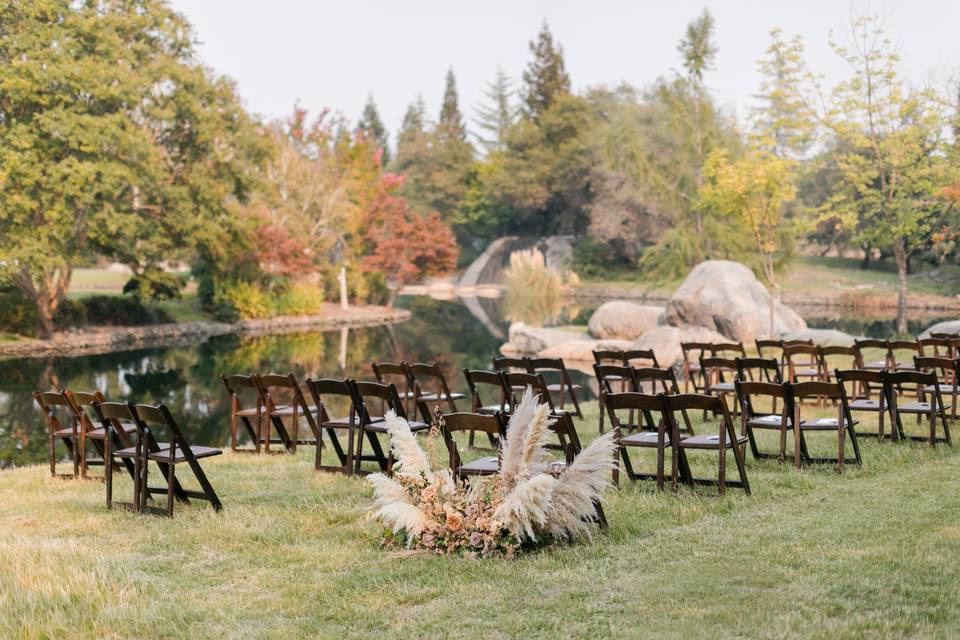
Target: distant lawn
pixel 185 309
pixel 872 553
pixel 97 281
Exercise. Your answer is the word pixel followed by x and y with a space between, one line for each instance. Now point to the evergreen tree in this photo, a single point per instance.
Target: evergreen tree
pixel 495 117
pixel 412 128
pixel 783 124
pixel 371 123
pixel 545 78
pixel 451 124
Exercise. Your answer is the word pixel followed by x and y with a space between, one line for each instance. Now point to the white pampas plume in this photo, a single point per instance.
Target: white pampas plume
pixel 402 516
pixel 444 478
pixel 524 510
pixel 534 457
pixel 520 451
pixel 387 490
pixel 409 459
pixel 572 499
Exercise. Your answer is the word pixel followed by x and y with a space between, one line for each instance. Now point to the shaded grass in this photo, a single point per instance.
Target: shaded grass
pixel 871 553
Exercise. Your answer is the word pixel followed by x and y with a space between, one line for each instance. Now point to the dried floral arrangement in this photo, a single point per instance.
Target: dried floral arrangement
pixel 527 503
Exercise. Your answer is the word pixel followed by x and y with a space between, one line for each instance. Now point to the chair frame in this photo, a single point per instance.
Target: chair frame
pixel 275 413
pixel 845 423
pixel 240 415
pixel 645 405
pixel 46 400
pixel 491 424
pixel 751 419
pixel 318 388
pixel 893 387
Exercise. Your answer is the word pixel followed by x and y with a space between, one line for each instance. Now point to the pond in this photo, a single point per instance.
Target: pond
pixel 186 378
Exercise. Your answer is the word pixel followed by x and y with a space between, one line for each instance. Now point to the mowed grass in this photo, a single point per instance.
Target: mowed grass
pixel 871 553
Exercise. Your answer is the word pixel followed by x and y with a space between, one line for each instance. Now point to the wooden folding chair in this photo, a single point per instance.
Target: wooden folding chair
pixel 825 353
pixel 842 426
pixel 325 393
pixel 726 439
pixel 477 378
pixel 430 385
pixel 563 427
pixel 718 376
pixel 802 362
pixel 938 347
pixel 770 348
pixel 283 400
pixel 62 425
pixel 565 386
pixel 248 412
pixel 81 403
pixel 398 374
pixel 861 398
pixel 367 396
pixel 753 417
pixel 656 435
pixel 902 353
pixel 759 369
pixel 621 377
pixel 610 357
pixel 874 363
pixel 927 385
pixel 177 451
pixel 692 374
pixel 948 372
pixel 666 380
pixel 493 425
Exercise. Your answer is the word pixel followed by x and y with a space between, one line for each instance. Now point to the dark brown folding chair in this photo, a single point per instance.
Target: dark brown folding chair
pixel 692 375
pixel 802 362
pixel 368 396
pixel 564 386
pixel 81 402
pixel 770 348
pixel 493 425
pixel 867 354
pixel 718 376
pixel 902 353
pixel 938 347
pixel 860 399
pixel 828 356
pixel 508 364
pixel 430 385
pixel 283 400
pixel 842 426
pixel 948 372
pixel 615 378
pixel 726 439
pixel 610 357
pixel 639 358
pixel 760 369
pixel 662 380
pixel 494 379
pixel 62 425
pixel 563 427
pixel 399 374
pixel 657 434
pixel 753 417
pixel 929 402
pixel 336 398
pixel 178 450
pixel 246 411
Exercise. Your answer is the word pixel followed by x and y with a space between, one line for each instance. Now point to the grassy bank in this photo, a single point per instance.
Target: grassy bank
pixel 871 553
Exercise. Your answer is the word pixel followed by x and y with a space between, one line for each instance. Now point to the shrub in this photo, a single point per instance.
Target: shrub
pixel 300 299
pixel 238 300
pixel 121 311
pixel 17 312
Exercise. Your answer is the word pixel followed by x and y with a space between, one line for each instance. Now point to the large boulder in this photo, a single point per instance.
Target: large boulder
pixel 582 350
pixel 726 297
pixel 524 338
pixel 822 337
pixel 665 341
pixel 622 320
pixel 948 326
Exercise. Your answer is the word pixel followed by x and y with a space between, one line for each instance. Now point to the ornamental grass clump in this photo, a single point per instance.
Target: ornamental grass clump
pixel 523 505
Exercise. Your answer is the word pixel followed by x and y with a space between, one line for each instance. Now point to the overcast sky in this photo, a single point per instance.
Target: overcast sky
pixel 332 54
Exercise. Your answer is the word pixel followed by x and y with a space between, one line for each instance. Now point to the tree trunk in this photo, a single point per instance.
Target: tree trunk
pixel 900 255
pixel 865 263
pixel 48 292
pixel 44 317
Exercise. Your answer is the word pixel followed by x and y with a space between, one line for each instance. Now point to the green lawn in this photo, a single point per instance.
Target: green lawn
pixel 872 553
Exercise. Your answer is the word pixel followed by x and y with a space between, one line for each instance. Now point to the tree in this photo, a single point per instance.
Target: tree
pixel 753 188
pixel 495 118
pixel 545 78
pixel 371 123
pixel 783 124
pixel 450 127
pixel 112 141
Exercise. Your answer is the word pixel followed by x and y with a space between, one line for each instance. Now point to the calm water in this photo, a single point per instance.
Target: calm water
pixel 186 378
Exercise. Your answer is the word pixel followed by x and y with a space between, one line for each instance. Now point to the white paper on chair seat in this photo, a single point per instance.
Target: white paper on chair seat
pixel 769 419
pixel 825 421
pixel 713 437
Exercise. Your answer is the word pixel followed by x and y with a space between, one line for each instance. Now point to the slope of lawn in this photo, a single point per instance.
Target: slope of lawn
pixel 872 553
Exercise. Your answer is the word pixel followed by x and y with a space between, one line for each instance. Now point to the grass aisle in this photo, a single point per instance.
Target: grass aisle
pixel 870 554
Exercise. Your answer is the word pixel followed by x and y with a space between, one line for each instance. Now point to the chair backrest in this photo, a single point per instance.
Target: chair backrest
pixel 824 352
pixel 428 377
pixel 765 347
pixel 505 363
pixel 276 389
pixel 720 348
pixel 81 402
pixel 646 403
pixel 694 350
pixel 149 416
pixel 858 375
pixel 460 421
pixel 860 345
pixel 386 393
pixel 608 356
pixel 236 384
pixel 747 390
pixel 767 369
pixel 713 368
pixel 477 377
pixel 395 372
pixel 948 367
pixel 647 355
pixel 796 343
pixel 524 380
pixel 919 378
pixel 57 410
pixel 804 349
pixel 323 389
pixel 607 374
pixel 911 346
pixel 666 377
pixel 936 346
pixel 800 391
pixel 686 402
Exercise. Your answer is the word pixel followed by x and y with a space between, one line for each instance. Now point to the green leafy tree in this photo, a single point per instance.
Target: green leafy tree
pixel 545 78
pixel 450 127
pixel 371 123
pixel 113 141
pixel 495 118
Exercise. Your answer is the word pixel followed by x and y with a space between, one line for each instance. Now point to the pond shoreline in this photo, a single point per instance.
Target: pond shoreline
pixel 109 339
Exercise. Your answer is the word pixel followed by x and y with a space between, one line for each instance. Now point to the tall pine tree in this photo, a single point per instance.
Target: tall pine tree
pixel 451 126
pixel 494 118
pixel 371 123
pixel 546 77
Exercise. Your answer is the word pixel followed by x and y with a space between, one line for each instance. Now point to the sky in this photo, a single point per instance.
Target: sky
pixel 332 54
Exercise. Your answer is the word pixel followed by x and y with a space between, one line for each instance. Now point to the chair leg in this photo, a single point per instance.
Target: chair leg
pixel 171 477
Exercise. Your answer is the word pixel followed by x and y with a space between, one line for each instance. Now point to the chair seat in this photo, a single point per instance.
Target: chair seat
pixel 490 409
pixel 101 433
pixel 914 407
pixel 179 456
pixel 947 389
pixel 130 452
pixel 722 387
pixel 806 373
pixel 708 442
pixel 558 387
pixel 283 410
pixel 344 422
pixel 903 366
pixel 380 426
pixel 821 424
pixel 65 433
pixel 434 397
pixel 876 365
pixel 480 467
pixel 768 422
pixel 864 404
pixel 644 439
